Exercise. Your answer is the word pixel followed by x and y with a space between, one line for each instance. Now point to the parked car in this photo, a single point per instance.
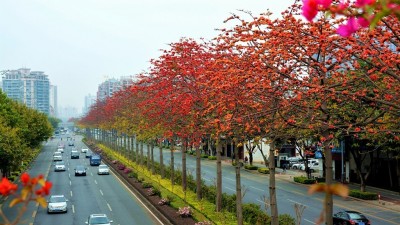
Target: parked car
pixel 350 218
pixel 80 170
pixel 74 154
pixel 84 150
pixel 57 203
pixel 59 166
pixel 297 165
pixel 293 160
pixel 103 169
pixel 57 156
pixel 312 166
pixel 97 219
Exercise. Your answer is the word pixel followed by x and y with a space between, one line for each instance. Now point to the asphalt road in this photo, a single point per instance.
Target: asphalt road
pixel 288 193
pixel 86 194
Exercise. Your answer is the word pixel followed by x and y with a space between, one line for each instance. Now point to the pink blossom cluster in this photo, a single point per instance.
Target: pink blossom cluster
pixel 203 223
pixel 185 211
pixel 163 201
pixel 365 12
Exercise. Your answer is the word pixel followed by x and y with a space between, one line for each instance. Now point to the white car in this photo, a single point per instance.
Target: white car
pixel 97 219
pixel 60 150
pixel 103 169
pixel 59 166
pixel 57 203
pixel 57 156
pixel 312 166
pixel 84 150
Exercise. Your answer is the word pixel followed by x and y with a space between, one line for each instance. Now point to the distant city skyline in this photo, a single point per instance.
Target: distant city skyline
pixel 81 44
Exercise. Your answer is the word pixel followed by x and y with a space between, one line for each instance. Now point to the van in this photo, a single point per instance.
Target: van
pixel 95 160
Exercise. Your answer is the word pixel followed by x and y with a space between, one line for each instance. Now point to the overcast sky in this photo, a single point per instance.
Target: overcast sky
pixel 81 43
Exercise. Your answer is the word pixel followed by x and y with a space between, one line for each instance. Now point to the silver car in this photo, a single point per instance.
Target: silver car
pixel 57 203
pixel 97 219
pixel 59 166
pixel 103 169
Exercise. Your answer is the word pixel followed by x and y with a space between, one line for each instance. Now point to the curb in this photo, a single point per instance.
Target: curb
pixel 144 200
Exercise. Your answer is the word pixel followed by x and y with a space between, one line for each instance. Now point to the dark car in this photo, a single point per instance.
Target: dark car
pixel 74 154
pixel 88 154
pixel 80 170
pixel 350 218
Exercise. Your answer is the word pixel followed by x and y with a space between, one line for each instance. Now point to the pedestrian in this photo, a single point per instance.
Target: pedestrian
pixel 284 167
pixel 246 159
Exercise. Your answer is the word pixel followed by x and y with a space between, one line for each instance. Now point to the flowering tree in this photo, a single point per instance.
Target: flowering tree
pixel 33 190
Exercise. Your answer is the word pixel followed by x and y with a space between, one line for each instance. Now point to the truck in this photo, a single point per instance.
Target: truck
pixel 95 160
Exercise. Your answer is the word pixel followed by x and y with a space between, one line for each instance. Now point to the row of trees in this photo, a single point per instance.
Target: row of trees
pixel 265 79
pixel 22 130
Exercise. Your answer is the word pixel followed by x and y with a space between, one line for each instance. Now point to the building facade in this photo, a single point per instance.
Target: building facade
pixel 53 101
pixel 89 101
pixel 29 87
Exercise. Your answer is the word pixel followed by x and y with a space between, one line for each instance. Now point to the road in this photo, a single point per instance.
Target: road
pixel 86 194
pixel 288 193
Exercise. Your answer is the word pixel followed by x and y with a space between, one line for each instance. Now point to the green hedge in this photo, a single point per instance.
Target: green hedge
pixel 204 156
pixel 263 170
pixel 211 157
pixel 250 167
pixel 304 180
pixel 363 195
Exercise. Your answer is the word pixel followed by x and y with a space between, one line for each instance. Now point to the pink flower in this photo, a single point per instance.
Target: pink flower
pixel 311 7
pixel 353 24
pixel 362 3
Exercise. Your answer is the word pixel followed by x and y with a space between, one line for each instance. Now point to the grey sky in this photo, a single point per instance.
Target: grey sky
pixel 81 43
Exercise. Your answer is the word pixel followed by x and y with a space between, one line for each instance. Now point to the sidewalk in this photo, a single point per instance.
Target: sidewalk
pixel 388 199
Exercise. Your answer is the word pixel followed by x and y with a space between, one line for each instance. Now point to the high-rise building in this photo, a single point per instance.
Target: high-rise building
pixel 28 87
pixel 107 88
pixel 53 101
pixel 89 101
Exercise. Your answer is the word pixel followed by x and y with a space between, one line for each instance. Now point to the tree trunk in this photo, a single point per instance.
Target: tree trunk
pixel 137 151
pixel 198 173
pixel 239 210
pixel 184 178
pixel 328 180
pixel 219 178
pixel 141 154
pixel 162 171
pixel 148 156
pixel 153 169
pixel 272 186
pixel 172 162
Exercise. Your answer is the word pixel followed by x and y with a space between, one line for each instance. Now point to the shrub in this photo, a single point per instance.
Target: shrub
pixel 185 211
pixel 121 166
pixel 146 185
pixel 133 175
pixel 153 191
pixel 303 180
pixel 164 201
pixel 254 215
pixel 140 179
pixel 363 195
pixel 211 157
pixel 250 167
pixel 263 170
pixel 127 170
pixel 204 156
pixel 286 219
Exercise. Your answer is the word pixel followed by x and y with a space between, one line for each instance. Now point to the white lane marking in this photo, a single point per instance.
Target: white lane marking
pixel 101 192
pixel 73 209
pixel 95 181
pixel 230 189
pixel 109 207
pixel 70 183
pixel 206 179
pixel 258 189
pixel 230 179
pixel 70 193
pixel 309 221
pixel 154 216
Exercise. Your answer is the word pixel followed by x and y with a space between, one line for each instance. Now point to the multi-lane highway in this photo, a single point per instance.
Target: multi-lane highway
pixel 86 194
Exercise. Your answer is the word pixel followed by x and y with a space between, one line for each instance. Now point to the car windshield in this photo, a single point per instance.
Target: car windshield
pixel 98 220
pixel 60 163
pixel 356 216
pixel 80 168
pixel 55 199
pixel 103 167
